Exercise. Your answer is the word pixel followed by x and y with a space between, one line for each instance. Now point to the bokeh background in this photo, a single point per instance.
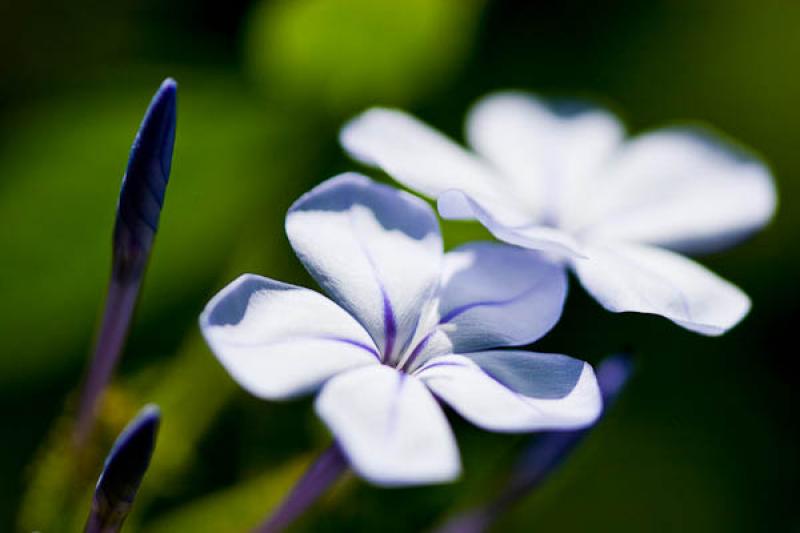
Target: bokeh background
pixel 704 439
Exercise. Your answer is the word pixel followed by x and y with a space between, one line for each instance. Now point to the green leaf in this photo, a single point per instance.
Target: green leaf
pixel 190 389
pixel 239 508
pixel 345 54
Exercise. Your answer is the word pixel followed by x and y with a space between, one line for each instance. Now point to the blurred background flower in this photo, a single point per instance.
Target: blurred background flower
pixel 705 438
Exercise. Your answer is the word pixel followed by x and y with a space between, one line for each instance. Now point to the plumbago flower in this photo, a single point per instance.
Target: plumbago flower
pixel 564 180
pixel 405 324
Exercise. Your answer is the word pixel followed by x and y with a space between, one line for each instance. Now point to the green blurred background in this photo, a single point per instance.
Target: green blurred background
pixel 705 437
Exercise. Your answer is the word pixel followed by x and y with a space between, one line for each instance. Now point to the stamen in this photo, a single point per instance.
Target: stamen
pixel 406 365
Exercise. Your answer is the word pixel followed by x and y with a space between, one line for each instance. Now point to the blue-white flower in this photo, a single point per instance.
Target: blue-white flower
pixel 405 324
pixel 565 180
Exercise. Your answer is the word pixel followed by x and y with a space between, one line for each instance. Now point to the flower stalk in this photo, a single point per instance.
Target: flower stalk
pixel 138 210
pixel 328 467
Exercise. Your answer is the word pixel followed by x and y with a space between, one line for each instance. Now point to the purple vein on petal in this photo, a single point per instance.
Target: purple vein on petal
pixel 357 344
pixel 453 313
pixel 390 326
pixel 438 364
pixel 389 322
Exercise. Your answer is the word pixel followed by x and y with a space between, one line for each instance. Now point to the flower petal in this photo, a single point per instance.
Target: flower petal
pixel 278 340
pixel 375 249
pixel 513 391
pixel 390 427
pixel 416 155
pixel 681 189
pixel 496 295
pixel 645 279
pixel 507 225
pixel 547 151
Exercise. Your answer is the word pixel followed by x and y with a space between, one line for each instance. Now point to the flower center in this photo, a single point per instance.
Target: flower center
pixel 406 357
pixel 406 364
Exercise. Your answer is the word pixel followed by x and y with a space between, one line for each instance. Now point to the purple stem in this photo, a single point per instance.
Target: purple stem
pixel 120 305
pixel 328 467
pixel 543 457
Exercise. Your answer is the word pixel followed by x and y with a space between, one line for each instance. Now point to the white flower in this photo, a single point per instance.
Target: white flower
pixel 566 181
pixel 405 324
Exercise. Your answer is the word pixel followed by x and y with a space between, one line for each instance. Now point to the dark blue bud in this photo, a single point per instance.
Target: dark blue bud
pixel 144 184
pixel 122 474
pixel 138 211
